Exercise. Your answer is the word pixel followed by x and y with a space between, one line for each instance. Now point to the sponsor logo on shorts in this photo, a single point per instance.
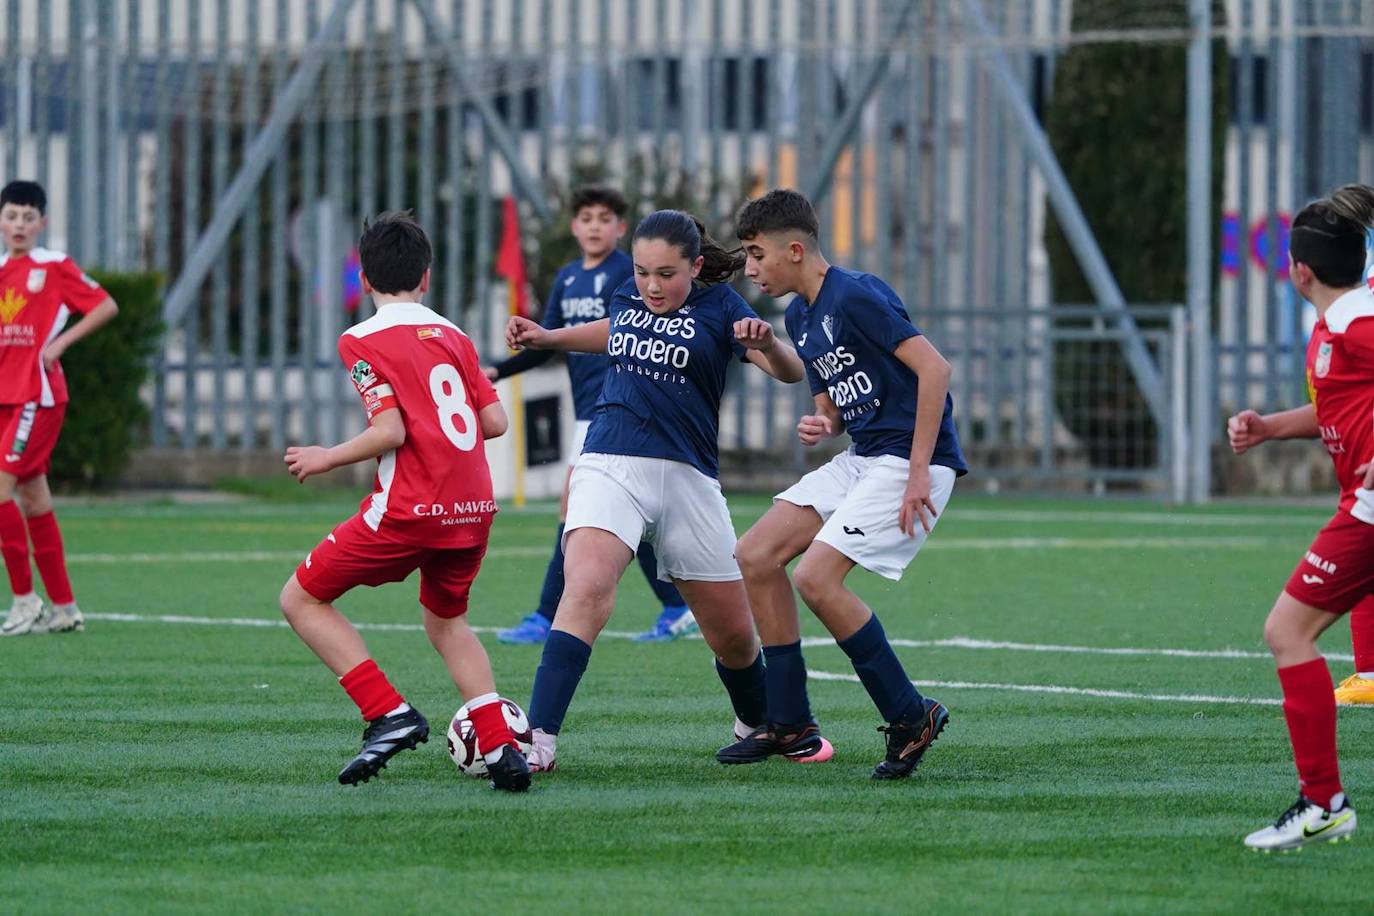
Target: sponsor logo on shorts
pixel 849 530
pixel 1325 566
pixel 1312 580
pixel 307 559
pixel 362 375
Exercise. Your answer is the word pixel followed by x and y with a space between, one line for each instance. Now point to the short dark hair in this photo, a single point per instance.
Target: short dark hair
pixel 25 194
pixel 394 252
pixel 591 195
pixel 1330 242
pixel 780 210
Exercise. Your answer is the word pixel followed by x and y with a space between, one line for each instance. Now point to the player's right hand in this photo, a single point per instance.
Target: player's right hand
pixel 812 428
pixel 522 333
pixel 1246 430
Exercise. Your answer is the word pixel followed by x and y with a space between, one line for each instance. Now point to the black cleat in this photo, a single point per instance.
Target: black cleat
pixel 797 743
pixel 384 738
pixel 511 773
pixel 907 742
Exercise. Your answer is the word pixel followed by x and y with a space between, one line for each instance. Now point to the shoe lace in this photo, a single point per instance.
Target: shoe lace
pixel 1297 808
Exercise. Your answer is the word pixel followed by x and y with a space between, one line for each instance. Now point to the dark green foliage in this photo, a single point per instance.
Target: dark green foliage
pixel 106 417
pixel 1118 123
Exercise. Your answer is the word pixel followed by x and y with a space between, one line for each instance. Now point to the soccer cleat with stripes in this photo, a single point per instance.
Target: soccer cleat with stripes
pixel 384 738
pixel 1355 691
pixel 24 613
pixel 673 622
pixel 800 743
pixel 511 772
pixel 907 742
pixel 1306 822
pixel 532 630
pixel 61 618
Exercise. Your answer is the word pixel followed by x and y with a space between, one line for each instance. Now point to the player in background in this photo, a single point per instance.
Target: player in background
pixel 649 467
pixel 429 409
pixel 39 289
pixel 873 374
pixel 1326 264
pixel 579 295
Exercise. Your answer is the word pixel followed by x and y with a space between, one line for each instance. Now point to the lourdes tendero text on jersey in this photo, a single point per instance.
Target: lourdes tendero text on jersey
pixel 652 349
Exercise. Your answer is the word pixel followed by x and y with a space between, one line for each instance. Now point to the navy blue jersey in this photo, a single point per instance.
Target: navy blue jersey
pixel 578 296
pixel 667 375
pixel 846 338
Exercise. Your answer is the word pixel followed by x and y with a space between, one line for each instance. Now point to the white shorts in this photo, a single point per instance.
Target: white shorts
pixel 860 502
pixel 580 428
pixel 671 505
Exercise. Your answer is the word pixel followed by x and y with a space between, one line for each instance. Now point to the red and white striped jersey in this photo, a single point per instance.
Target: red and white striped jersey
pixel 1340 382
pixel 38 291
pixel 435 489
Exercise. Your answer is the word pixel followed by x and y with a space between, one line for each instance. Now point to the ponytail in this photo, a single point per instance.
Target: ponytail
pixel 1355 202
pixel 688 234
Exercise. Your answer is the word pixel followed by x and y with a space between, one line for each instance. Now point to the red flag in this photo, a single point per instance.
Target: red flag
pixel 510 258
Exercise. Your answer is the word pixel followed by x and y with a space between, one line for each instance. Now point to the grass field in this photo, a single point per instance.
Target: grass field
pixel 180 755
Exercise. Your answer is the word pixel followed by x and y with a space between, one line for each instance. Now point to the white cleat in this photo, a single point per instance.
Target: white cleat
pixel 63 618
pixel 542 755
pixel 24 613
pixel 1306 822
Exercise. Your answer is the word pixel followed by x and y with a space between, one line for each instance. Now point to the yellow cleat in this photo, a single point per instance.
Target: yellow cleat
pixel 1355 691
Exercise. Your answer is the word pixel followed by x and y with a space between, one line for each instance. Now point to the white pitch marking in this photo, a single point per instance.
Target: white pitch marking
pixel 1070 691
pixel 1013 543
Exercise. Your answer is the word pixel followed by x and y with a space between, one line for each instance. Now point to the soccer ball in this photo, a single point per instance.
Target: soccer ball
pixel 462 737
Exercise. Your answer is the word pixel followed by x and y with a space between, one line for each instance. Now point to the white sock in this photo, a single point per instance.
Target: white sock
pixel 1367 675
pixel 483 700
pixel 492 756
pixel 404 707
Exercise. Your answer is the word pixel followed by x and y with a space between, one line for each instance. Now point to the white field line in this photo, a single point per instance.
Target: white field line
pixel 276 623
pixel 1285 517
pixel 1069 691
pixel 1012 543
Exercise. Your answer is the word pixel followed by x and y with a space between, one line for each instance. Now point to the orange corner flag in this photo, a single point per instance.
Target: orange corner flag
pixel 510 259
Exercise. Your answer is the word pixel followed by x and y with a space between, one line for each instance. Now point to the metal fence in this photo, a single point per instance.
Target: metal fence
pixel 235 145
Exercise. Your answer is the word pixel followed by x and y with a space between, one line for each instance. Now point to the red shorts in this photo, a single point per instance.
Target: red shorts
pixel 356 555
pixel 29 435
pixel 1338 570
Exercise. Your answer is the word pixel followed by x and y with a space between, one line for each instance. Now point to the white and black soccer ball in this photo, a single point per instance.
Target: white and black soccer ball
pixel 462 738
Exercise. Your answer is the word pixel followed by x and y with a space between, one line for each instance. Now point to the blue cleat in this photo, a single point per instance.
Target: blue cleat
pixel 532 631
pixel 674 622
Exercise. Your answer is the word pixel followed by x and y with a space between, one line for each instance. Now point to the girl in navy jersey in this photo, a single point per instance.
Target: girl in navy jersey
pixel 648 468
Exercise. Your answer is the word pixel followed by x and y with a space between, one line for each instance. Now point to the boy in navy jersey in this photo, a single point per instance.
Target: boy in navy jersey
pixel 875 376
pixel 580 294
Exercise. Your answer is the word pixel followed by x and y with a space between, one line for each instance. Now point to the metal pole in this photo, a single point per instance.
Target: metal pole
pixel 1199 247
pixel 256 159
pixel 490 119
pixel 1089 253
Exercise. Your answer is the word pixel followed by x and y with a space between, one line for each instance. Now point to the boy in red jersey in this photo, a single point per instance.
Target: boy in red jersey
pixel 429 410
pixel 1327 252
pixel 39 288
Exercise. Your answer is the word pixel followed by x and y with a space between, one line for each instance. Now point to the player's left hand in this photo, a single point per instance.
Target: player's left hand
pixel 1367 469
pixel 51 354
pixel 755 334
pixel 307 460
pixel 916 503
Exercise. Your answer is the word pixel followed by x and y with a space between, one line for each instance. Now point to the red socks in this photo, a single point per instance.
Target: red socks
pixel 14 545
pixel 368 687
pixel 49 557
pixel 489 723
pixel 1362 634
pixel 1310 708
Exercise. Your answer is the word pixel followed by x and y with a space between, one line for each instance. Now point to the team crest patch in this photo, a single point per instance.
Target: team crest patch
pixel 363 376
pixel 1323 364
pixel 599 281
pixel 427 333
pixel 37 278
pixel 828 326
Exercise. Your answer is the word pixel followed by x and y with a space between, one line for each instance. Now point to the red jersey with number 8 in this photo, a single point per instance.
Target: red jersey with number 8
pixel 435 489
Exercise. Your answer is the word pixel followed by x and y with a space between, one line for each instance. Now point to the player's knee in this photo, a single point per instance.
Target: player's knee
pixel 812 584
pixel 755 555
pixel 1280 635
pixel 33 505
pixel 294 599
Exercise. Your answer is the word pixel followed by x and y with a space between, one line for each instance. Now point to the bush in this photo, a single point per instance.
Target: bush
pixel 104 374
